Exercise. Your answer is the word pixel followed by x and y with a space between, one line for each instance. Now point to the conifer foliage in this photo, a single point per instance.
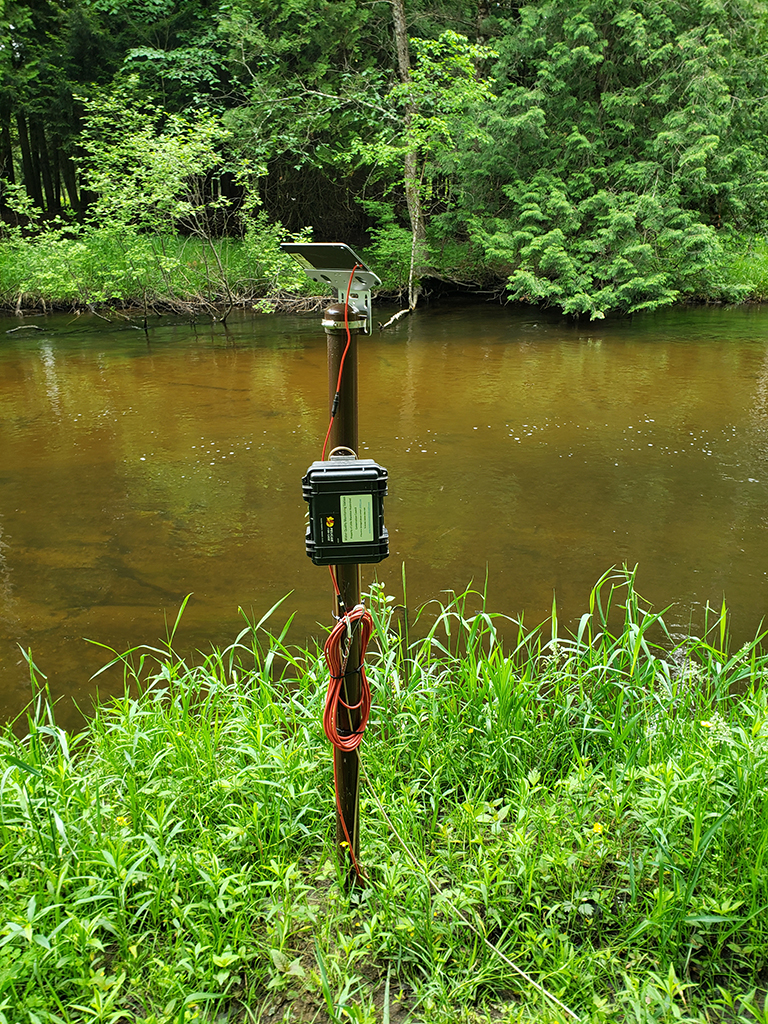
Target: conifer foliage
pixel 627 142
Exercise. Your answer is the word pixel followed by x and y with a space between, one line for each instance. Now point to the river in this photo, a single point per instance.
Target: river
pixel 135 470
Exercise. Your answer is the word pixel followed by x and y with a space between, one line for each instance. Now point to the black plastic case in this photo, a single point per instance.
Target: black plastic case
pixel 346 511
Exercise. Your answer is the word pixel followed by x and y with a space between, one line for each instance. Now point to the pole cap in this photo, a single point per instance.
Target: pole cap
pixel 333 318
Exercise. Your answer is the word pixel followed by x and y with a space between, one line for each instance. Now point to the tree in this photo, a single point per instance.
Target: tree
pixel 419 253
pixel 53 48
pixel 598 157
pixel 438 106
pixel 153 173
pixel 625 137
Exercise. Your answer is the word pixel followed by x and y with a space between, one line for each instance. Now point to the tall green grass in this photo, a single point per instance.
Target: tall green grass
pixel 123 267
pixel 589 809
pixel 746 267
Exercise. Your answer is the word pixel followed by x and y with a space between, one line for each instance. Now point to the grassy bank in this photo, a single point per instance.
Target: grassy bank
pixel 123 269
pixel 119 268
pixel 588 810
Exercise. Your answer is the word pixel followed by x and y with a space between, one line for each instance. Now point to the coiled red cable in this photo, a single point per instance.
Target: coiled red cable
pixel 335 704
pixel 337 663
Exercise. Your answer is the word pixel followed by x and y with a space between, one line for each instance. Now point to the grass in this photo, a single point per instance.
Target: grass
pixel 586 813
pixel 122 267
pixel 747 267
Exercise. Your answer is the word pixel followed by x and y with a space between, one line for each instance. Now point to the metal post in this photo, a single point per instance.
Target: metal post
pixel 344 434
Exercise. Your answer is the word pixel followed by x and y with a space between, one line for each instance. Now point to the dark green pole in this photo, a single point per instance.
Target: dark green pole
pixel 344 434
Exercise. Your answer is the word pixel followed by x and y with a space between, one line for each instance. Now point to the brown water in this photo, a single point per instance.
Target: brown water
pixel 133 473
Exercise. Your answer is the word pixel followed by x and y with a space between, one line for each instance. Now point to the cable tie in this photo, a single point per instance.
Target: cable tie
pixel 349 672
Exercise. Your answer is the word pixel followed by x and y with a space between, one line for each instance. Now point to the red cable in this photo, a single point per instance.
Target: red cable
pixel 346 740
pixel 325 442
pixel 333 581
pixel 343 357
pixel 337 662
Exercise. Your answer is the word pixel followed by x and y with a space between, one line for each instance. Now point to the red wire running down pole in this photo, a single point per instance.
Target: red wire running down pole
pixel 344 356
pixel 348 699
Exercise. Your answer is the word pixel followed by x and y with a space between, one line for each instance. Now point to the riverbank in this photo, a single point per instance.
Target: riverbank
pixel 588 810
pixel 138 275
pixel 127 273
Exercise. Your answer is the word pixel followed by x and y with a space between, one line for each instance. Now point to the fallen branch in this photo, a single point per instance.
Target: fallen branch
pixel 394 319
pixel 104 318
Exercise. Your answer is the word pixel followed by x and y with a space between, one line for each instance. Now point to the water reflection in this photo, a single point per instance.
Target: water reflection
pixel 517 445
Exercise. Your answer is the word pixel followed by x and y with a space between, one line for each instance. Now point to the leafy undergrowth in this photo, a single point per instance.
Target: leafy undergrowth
pixel 747 266
pixel 70 268
pixel 551 828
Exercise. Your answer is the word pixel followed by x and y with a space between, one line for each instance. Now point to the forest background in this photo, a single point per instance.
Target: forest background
pixel 606 156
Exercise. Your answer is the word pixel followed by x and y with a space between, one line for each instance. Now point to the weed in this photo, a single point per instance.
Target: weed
pixel 552 825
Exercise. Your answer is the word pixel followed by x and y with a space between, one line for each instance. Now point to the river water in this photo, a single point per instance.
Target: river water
pixel 135 470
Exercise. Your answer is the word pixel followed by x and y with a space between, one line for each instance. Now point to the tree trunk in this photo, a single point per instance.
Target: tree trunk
pixel 70 181
pixel 6 172
pixel 483 13
pixel 55 164
pixel 39 146
pixel 401 40
pixel 6 153
pixel 412 179
pixel 31 176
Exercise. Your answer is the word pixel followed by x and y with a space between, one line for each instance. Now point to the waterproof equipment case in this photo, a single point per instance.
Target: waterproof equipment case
pixel 346 511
